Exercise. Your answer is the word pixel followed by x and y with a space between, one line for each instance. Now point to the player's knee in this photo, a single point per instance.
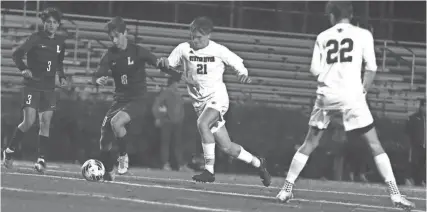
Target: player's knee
pixel 29 119
pixel 202 125
pixel 116 123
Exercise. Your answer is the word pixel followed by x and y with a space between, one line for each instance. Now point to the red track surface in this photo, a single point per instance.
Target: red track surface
pixel 62 189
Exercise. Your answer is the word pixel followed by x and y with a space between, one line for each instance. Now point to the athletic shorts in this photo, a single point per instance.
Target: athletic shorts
pixel 218 101
pixel 136 109
pixel 353 117
pixel 38 99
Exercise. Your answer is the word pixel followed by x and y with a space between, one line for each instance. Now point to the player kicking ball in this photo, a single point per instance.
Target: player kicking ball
pixel 337 64
pixel 45 55
pixel 126 61
pixel 203 61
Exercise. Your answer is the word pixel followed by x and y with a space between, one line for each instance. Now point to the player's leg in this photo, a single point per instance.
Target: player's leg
pixel 359 123
pixel 237 151
pixel 165 144
pixel 30 100
pixel 319 121
pixel 105 145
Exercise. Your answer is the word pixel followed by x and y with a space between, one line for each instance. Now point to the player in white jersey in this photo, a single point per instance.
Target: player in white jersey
pixel 337 63
pixel 203 63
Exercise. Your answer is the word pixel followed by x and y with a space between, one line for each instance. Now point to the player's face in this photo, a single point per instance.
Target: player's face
pixel 199 40
pixel 51 25
pixel 118 39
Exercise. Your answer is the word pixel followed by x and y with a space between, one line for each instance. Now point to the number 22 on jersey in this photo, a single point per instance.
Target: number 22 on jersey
pixel 338 50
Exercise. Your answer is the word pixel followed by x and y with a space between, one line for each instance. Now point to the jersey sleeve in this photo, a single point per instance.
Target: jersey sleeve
pixel 175 57
pixel 231 59
pixel 23 49
pixel 369 53
pixel 315 67
pixel 146 55
pixel 104 66
pixel 60 70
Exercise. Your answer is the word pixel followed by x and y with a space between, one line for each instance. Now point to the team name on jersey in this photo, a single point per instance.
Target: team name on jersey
pixel 202 59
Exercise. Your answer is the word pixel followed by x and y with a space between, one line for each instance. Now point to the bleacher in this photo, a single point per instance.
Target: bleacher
pixel 278 63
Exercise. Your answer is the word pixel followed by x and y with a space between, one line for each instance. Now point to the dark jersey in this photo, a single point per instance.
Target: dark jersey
pixel 44 59
pixel 127 69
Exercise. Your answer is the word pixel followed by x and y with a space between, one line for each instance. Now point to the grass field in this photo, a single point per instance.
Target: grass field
pixel 62 189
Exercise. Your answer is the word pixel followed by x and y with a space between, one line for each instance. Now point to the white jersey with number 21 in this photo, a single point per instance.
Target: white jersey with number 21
pixel 337 62
pixel 204 68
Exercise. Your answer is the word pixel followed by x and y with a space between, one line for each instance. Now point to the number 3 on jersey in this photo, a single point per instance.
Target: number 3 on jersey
pixel 124 79
pixel 48 65
pixel 345 46
pixel 202 69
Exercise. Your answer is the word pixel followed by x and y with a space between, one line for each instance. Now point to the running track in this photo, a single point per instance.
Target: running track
pixel 62 189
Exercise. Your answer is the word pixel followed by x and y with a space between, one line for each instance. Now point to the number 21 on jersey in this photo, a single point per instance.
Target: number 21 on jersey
pixel 202 69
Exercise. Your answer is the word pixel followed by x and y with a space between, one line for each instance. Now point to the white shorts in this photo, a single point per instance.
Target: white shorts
pixel 218 101
pixel 354 117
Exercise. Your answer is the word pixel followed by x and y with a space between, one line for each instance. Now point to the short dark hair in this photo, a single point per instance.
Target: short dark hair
pixel 202 24
pixel 116 23
pixel 51 12
pixel 340 9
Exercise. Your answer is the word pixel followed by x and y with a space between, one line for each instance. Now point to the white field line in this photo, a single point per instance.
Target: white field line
pixel 101 196
pixel 219 192
pixel 243 185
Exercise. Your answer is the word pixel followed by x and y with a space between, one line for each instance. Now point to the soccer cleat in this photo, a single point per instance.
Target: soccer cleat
pixel 204 177
pixel 263 173
pixel 123 164
pixel 401 202
pixel 40 165
pixel 286 193
pixel 109 176
pixel 8 158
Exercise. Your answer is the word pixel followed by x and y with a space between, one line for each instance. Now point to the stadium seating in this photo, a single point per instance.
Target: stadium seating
pixel 279 65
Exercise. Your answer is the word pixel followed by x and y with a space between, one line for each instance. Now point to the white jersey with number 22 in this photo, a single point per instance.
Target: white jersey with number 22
pixel 337 62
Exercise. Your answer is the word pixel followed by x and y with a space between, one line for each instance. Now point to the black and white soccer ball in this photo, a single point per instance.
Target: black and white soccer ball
pixel 93 170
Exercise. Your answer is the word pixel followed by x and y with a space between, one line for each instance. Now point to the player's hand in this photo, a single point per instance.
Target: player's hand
pixel 102 80
pixel 163 109
pixel 63 81
pixel 27 74
pixel 163 62
pixel 244 79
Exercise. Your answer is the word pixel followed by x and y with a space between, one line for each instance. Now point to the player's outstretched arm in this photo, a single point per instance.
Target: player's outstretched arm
pixel 370 61
pixel 236 63
pixel 100 76
pixel 60 71
pixel 21 51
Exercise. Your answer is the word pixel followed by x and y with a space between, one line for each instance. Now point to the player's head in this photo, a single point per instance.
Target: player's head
pixel 116 29
pixel 200 31
pixel 423 106
pixel 51 18
pixel 338 11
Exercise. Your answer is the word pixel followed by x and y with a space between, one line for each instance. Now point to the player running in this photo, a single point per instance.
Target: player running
pixel 337 60
pixel 45 55
pixel 203 62
pixel 126 61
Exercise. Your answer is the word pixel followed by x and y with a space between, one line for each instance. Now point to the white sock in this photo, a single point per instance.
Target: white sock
pixel 298 163
pixel 384 167
pixel 247 157
pixel 209 155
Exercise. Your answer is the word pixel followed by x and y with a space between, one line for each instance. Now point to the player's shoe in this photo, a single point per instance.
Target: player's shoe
pixel 8 158
pixel 40 165
pixel 263 173
pixel 123 164
pixel 286 193
pixel 401 202
pixel 204 177
pixel 109 176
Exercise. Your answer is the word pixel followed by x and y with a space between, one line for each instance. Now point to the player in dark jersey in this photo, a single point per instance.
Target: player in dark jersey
pixel 45 55
pixel 126 61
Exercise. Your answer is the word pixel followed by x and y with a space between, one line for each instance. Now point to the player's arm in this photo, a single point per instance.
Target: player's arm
pixel 236 63
pixel 370 61
pixel 168 65
pixel 60 71
pixel 316 59
pixel 21 51
pixel 146 55
pixel 100 76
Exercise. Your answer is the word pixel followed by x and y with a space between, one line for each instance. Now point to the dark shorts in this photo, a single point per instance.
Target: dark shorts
pixel 39 100
pixel 136 109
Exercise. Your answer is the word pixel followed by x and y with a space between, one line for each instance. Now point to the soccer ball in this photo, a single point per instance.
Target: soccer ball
pixel 93 170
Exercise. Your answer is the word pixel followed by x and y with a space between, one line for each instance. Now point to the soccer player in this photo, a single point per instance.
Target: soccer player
pixel 126 61
pixel 45 55
pixel 203 61
pixel 337 60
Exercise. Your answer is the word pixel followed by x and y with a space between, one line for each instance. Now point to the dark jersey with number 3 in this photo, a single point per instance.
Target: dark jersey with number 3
pixel 44 59
pixel 127 69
